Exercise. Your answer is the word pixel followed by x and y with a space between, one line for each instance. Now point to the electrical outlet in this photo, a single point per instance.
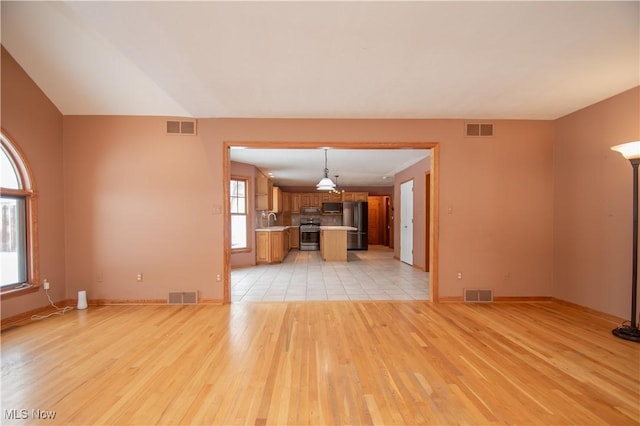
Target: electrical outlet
pixel 45 284
pixel 459 275
pixel 139 277
pixel 219 277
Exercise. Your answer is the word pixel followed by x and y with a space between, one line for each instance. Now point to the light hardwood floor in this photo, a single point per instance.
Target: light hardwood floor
pixel 323 363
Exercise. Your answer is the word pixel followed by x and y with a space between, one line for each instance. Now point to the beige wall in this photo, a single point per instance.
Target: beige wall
pixel 35 125
pixel 499 233
pixel 592 204
pixel 140 201
pixel 496 211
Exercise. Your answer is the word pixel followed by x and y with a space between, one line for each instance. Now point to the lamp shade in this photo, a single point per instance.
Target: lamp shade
pixel 325 184
pixel 629 150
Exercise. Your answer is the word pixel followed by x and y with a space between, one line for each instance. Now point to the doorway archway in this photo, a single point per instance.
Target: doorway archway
pixel 433 194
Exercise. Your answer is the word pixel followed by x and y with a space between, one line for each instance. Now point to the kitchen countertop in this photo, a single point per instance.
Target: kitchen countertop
pixel 338 228
pixel 274 228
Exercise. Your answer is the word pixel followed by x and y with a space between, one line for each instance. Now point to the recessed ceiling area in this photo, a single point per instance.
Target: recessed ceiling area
pixel 355 167
pixel 326 59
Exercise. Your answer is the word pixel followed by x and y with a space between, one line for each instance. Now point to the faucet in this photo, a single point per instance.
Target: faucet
pixel 269 217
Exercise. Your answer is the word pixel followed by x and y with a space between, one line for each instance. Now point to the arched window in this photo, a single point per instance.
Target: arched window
pixel 18 232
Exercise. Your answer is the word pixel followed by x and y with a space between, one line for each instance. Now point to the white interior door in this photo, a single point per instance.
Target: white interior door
pixel 406 222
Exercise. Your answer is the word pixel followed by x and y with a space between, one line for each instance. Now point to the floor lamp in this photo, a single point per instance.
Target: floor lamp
pixel 631 151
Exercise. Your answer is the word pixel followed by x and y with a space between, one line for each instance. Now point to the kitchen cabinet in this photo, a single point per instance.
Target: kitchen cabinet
pixel 286 202
pixel 272 246
pixel 296 203
pixel 333 244
pixel 355 196
pixel 276 200
pixel 294 237
pixel 361 196
pixel 286 243
pixel 264 193
pixel 310 199
pixel 331 197
pixel 263 248
pixel 348 196
pixel 276 246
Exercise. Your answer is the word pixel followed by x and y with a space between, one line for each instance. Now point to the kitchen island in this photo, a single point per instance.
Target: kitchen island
pixel 333 242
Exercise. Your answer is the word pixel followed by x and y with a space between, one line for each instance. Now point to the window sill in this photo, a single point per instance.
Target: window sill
pixel 241 250
pixel 13 292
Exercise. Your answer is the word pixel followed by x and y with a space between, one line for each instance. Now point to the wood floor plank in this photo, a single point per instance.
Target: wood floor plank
pixel 322 363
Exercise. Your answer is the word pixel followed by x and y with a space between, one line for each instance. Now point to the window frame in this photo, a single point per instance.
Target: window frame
pixel 30 196
pixel 247 182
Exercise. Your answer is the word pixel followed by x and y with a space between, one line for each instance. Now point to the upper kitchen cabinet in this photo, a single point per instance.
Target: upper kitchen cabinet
pixel 310 199
pixel 264 193
pixel 331 197
pixel 361 196
pixel 277 201
pixel 355 196
pixel 286 202
pixel 296 203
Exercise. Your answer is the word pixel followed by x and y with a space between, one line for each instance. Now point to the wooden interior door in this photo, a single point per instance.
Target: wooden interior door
pixel 374 220
pixel 384 219
pixel 390 221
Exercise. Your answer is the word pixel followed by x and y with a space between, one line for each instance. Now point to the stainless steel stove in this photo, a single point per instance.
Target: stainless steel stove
pixel 309 233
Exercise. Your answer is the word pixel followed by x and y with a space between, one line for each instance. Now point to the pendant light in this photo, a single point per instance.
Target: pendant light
pixel 336 190
pixel 325 183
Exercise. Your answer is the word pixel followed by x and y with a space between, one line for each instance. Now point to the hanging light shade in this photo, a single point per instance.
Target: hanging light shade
pixel 325 183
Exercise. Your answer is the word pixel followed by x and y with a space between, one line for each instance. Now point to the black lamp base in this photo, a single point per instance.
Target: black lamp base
pixel 627 332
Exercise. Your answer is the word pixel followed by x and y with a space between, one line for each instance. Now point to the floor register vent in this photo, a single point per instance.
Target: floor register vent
pixel 471 295
pixel 189 297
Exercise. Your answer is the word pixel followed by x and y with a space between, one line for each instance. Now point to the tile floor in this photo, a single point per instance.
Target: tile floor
pixel 368 275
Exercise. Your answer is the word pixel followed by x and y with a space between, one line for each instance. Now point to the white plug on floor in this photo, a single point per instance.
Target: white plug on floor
pixel 46 284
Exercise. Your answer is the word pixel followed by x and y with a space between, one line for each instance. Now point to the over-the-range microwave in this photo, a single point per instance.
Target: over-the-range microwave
pixel 331 207
pixel 310 210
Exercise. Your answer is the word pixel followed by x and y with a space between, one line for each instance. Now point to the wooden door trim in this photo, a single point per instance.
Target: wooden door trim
pixel 435 160
pixel 427 214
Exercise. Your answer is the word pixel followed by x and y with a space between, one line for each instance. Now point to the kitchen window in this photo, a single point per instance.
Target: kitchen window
pixel 239 211
pixel 18 259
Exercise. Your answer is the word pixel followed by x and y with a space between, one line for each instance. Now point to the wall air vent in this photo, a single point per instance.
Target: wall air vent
pixel 189 297
pixel 479 129
pixel 473 295
pixel 181 127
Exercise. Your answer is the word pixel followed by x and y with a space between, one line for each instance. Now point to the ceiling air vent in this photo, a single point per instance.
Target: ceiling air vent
pixel 471 295
pixel 181 127
pixel 479 129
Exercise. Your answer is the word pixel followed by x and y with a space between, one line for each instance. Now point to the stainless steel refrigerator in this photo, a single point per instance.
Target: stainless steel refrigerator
pixel 356 214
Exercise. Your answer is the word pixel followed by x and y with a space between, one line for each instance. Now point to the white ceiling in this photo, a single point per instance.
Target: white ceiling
pixel 360 59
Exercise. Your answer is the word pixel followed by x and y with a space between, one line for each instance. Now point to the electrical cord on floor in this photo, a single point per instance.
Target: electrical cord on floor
pixel 59 311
